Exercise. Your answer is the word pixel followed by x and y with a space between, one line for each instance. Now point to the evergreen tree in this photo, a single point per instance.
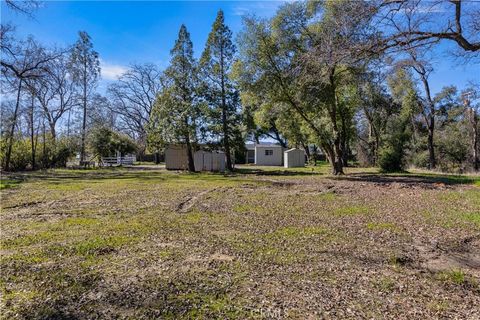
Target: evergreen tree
pixel 176 111
pixel 219 90
pixel 85 70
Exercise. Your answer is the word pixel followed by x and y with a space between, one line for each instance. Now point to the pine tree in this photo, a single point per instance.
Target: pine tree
pixel 176 110
pixel 85 70
pixel 218 89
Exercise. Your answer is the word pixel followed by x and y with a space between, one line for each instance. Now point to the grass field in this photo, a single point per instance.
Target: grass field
pixel 144 243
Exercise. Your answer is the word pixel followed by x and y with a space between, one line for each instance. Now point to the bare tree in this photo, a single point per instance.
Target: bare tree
pixel 31 116
pixel 26 7
pixel 56 92
pixel 417 22
pixel 423 69
pixel 133 97
pixel 28 60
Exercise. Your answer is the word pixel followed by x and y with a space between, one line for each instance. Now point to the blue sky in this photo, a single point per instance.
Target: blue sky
pixel 125 32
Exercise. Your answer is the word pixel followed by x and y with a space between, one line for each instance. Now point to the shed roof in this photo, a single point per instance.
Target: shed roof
pixel 294 149
pixel 270 145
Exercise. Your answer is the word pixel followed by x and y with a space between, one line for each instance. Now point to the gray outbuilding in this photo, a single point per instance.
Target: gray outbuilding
pixel 268 155
pixel 294 158
pixel 209 161
pixel 176 158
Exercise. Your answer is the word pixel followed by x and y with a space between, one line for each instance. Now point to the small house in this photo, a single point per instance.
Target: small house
pixel 294 158
pixel 268 155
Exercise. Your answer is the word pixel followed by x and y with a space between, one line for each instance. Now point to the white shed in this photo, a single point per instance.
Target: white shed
pixel 268 155
pixel 209 161
pixel 218 161
pixel 176 157
pixel 294 158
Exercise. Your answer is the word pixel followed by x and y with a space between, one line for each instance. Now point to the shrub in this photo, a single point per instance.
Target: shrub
pixel 106 142
pixel 20 157
pixel 390 159
pixel 420 159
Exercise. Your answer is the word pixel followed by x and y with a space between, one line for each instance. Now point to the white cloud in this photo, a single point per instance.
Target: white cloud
pixel 111 71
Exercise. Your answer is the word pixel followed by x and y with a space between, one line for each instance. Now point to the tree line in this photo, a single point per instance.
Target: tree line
pixel 349 78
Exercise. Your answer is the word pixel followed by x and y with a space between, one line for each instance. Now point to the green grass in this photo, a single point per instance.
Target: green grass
pixel 113 242
pixel 8 183
pixel 352 210
pixel 454 276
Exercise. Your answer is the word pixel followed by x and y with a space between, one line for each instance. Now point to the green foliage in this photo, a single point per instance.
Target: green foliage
pixel 218 90
pixel 398 132
pixel 21 154
pixel 84 61
pixel 176 113
pixel 106 142
pixel 48 153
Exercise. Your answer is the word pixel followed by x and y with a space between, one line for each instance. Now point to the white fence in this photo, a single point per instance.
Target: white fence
pixel 116 161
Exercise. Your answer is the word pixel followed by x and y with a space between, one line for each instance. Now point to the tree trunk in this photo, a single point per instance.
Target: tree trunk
pixel 32 132
pixel 84 124
pixel 431 149
pixel 337 168
pixel 430 122
pixel 53 132
pixel 344 139
pixel 226 139
pixel 337 156
pixel 474 120
pixel 191 163
pixel 279 138
pixel 307 151
pixel 68 124
pixel 44 153
pixel 12 129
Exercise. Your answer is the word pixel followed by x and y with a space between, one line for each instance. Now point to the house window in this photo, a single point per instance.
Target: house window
pixel 269 152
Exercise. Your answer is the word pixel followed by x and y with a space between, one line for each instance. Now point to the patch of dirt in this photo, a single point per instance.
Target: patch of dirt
pixel 397 182
pixel 220 257
pixel 464 254
pixel 188 203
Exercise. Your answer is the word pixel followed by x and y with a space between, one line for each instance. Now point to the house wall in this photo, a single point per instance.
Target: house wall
pixel 275 159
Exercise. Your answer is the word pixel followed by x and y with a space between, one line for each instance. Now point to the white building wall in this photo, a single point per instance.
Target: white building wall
pixel 209 161
pixel 218 161
pixel 176 158
pixel 273 159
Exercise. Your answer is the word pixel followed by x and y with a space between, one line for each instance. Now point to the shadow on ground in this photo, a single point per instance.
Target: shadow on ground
pixel 261 172
pixel 409 179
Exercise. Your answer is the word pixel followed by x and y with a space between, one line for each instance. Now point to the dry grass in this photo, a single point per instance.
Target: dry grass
pixel 263 243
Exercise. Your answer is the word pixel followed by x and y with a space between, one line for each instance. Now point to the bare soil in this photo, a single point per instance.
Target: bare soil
pixel 262 243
